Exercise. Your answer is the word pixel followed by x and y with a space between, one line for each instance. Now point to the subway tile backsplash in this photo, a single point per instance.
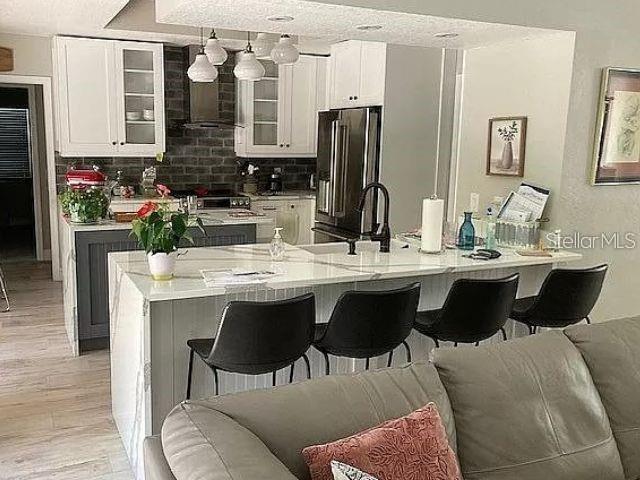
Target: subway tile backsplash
pixel 196 156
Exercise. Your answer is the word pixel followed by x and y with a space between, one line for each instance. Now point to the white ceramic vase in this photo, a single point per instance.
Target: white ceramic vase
pixel 162 265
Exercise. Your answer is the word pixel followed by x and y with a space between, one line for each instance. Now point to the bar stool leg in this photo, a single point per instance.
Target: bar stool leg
pixel 308 364
pixel 273 378
pixel 190 373
pixel 477 344
pixel 587 319
pixel 216 380
pixel 326 363
pixel 390 358
pixel 406 345
pixel 3 287
pixel 504 334
pixel 455 344
pixel 291 372
pixel 436 342
pixel 366 364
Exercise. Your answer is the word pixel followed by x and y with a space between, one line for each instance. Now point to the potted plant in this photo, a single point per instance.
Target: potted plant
pixel 159 232
pixel 84 204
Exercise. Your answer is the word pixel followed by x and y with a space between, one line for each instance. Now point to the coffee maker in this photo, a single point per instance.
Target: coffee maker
pixel 275 181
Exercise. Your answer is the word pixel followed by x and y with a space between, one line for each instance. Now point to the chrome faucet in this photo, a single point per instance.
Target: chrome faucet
pixel 384 235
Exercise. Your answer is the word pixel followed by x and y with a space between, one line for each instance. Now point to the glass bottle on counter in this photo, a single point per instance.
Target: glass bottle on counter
pixel 490 235
pixel 276 247
pixel 467 233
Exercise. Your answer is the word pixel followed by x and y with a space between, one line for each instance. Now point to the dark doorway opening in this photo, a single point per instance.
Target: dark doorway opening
pixel 17 216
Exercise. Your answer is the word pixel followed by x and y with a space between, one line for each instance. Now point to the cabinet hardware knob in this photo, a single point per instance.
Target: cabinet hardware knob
pixel 355 98
pixel 281 145
pixel 351 97
pixel 114 143
pixel 121 143
pixel 288 145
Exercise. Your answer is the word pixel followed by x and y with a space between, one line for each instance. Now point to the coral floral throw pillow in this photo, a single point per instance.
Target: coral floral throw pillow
pixel 414 447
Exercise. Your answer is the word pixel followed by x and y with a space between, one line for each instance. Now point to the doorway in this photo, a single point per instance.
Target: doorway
pixel 23 227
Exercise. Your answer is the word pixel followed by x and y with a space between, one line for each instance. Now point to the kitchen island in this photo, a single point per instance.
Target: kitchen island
pixel 152 321
pixel 84 250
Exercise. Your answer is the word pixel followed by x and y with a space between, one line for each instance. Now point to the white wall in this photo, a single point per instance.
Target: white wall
pixel 529 78
pixel 31 54
pixel 410 131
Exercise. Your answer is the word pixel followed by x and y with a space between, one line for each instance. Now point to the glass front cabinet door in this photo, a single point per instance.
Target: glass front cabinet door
pixel 140 94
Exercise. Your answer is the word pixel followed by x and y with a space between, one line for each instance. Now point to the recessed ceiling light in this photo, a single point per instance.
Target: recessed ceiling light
pixel 280 18
pixel 369 28
pixel 446 35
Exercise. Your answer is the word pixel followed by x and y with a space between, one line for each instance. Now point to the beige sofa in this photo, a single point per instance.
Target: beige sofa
pixel 557 405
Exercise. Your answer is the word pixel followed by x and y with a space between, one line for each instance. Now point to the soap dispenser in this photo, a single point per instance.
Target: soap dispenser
pixel 276 247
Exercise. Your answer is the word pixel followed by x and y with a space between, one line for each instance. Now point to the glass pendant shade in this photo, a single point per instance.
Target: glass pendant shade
pixel 249 68
pixel 285 53
pixel 201 69
pixel 214 51
pixel 262 46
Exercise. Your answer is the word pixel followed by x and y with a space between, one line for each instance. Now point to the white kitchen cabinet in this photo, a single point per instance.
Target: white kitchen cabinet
pixel 284 212
pixel 109 97
pixel 277 116
pixel 357 74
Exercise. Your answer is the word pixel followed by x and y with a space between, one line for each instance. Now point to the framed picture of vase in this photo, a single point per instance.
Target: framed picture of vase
pixel 506 146
pixel 617 146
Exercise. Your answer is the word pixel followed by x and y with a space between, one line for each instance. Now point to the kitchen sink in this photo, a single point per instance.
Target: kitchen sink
pixel 343 248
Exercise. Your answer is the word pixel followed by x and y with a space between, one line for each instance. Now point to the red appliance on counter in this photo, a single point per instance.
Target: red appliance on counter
pixel 85 177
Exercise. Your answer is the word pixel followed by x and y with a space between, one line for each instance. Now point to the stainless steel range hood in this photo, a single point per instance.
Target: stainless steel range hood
pixel 204 99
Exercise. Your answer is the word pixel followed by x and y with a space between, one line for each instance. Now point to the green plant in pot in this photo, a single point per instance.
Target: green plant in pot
pixel 159 232
pixel 84 205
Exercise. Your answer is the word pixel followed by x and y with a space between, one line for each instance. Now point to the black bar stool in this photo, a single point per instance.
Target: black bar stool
pixel 255 338
pixel 566 297
pixel 368 324
pixel 473 311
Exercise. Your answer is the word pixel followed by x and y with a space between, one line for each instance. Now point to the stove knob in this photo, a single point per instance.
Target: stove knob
pixel 234 203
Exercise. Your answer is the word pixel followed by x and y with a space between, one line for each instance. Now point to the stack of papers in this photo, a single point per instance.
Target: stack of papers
pixel 524 205
pixel 236 276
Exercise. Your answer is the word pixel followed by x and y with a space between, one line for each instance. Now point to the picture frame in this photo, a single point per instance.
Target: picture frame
pixel 616 157
pixel 506 146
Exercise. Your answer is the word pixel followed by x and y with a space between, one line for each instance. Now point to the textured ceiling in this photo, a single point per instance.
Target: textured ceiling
pixel 336 22
pixel 329 23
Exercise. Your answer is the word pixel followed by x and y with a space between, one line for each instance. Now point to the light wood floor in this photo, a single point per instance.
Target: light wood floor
pixel 55 419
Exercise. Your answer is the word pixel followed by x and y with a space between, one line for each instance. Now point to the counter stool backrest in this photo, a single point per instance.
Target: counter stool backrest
pixel 567 296
pixel 371 323
pixel 260 337
pixel 477 308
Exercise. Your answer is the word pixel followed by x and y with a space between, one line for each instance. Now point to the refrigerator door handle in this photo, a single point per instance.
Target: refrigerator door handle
pixel 335 126
pixel 341 172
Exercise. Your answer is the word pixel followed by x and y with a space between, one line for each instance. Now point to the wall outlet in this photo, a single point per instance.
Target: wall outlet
pixel 474 202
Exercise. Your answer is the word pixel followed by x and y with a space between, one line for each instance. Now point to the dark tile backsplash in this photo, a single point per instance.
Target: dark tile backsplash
pixel 197 156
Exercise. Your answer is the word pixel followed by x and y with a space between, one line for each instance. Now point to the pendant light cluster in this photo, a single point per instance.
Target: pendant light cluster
pixel 203 69
pixel 249 68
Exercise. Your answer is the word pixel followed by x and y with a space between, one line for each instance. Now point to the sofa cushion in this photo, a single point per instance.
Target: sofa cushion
pixel 203 444
pixel 612 353
pixel 528 409
pixel 413 446
pixel 292 417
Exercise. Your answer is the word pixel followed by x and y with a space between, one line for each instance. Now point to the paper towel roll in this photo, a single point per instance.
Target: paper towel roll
pixel 432 219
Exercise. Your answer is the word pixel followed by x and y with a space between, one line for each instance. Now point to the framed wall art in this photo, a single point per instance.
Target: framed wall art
pixel 506 146
pixel 617 144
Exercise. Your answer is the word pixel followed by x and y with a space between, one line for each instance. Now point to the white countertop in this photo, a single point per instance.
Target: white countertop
pixel 211 218
pixel 320 264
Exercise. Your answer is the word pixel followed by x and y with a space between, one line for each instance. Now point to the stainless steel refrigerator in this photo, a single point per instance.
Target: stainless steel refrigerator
pixel 348 159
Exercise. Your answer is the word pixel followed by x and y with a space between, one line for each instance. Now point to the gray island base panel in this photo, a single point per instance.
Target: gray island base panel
pixel 151 321
pixel 85 277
